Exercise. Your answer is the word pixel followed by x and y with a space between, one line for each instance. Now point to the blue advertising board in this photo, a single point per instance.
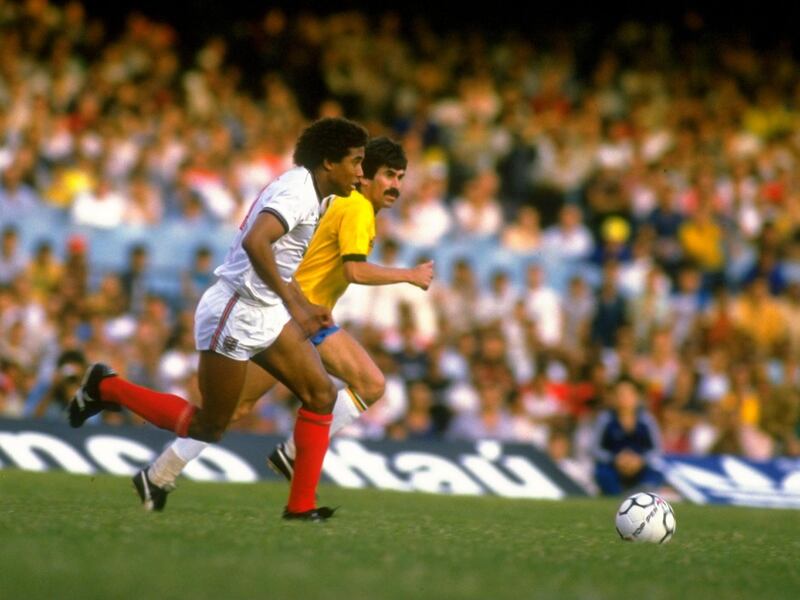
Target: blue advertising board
pixel 735 480
pixel 482 468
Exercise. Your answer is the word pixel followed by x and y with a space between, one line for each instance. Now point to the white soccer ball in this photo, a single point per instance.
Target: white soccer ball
pixel 645 517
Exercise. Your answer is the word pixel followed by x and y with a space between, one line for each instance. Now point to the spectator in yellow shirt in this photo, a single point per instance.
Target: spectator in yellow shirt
pixel 702 239
pixel 45 272
pixel 760 317
pixel 70 181
pixel 743 397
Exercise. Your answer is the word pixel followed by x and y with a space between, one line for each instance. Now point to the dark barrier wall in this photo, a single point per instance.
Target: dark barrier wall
pixel 509 470
pixel 514 471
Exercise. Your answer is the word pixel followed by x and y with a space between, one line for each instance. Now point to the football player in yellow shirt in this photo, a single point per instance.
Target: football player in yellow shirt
pixel 336 257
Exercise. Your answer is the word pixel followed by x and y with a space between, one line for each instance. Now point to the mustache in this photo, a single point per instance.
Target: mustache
pixel 394 192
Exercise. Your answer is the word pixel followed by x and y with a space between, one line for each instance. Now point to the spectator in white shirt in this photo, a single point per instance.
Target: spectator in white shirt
pixel 457 301
pixel 424 218
pixel 144 205
pixel 524 235
pixel 492 421
pixel 633 273
pixel 478 212
pixel 578 308
pixel 569 238
pixel 102 208
pixel 498 302
pixel 543 307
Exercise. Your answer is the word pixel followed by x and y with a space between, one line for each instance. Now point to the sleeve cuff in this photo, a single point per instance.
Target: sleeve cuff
pixel 278 216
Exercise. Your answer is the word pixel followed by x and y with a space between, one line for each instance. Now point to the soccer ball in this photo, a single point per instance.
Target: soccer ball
pixel 645 517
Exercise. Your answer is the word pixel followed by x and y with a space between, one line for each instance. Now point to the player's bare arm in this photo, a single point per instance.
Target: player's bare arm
pixel 366 273
pixel 266 230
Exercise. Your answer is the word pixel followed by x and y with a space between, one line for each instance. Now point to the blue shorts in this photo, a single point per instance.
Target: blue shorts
pixel 320 336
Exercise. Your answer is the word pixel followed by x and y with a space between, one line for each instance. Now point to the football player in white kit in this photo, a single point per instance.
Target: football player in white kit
pixel 336 256
pixel 257 312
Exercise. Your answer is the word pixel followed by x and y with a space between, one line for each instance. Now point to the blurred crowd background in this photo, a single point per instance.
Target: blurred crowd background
pixel 597 206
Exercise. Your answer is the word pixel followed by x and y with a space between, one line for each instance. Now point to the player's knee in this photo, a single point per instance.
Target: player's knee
pixel 321 397
pixel 244 408
pixel 372 388
pixel 207 431
pixel 241 411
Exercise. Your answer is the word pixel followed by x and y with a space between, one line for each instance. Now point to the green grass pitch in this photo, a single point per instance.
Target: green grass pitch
pixel 66 536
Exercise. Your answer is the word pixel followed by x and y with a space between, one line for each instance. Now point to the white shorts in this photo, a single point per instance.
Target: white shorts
pixel 233 326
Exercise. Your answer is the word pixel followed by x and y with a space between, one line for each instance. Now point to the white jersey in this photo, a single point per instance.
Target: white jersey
pixel 293 200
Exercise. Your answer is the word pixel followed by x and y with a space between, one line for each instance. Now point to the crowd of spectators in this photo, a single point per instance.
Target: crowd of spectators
pixel 661 163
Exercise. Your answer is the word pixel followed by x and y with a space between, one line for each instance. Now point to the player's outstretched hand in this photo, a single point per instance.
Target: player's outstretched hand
pixel 423 275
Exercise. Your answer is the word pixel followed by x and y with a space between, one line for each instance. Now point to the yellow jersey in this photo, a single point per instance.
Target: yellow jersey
pixel 346 232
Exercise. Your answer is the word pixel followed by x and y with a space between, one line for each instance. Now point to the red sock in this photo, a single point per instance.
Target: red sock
pixel 311 433
pixel 166 411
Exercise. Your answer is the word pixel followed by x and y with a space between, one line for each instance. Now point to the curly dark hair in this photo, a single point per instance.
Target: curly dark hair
pixel 328 139
pixel 382 151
